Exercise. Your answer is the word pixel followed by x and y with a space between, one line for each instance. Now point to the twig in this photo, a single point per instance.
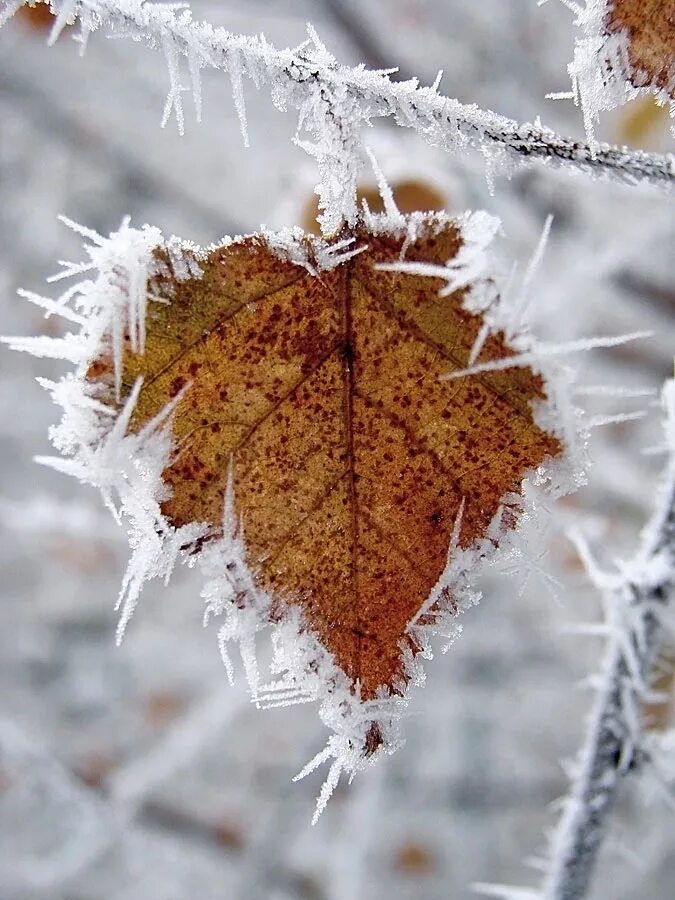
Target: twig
pixel 612 745
pixel 309 79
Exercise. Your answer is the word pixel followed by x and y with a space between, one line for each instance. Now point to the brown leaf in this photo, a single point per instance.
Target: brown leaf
pixel 650 26
pixel 94 769
pixel 229 834
pixel 660 715
pixel 350 457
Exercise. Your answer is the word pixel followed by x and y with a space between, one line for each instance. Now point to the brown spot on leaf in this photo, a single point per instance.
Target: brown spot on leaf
pixel 351 457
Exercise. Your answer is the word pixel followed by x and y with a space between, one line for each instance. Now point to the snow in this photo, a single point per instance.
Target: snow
pixel 632 600
pixel 112 304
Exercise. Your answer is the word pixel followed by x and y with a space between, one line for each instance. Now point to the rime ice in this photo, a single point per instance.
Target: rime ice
pixel 110 303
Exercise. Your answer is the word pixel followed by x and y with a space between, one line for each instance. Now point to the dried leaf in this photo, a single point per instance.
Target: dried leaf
pixel 650 29
pixel 659 714
pixel 351 460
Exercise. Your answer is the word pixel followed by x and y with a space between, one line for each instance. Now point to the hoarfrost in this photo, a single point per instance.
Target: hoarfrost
pixel 601 71
pixel 334 102
pixel 634 599
pixel 111 301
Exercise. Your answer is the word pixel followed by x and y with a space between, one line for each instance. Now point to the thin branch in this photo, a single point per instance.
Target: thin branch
pixel 612 745
pixel 310 75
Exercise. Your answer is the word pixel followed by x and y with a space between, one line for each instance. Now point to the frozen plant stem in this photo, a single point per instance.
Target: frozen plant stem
pixel 612 743
pixel 305 77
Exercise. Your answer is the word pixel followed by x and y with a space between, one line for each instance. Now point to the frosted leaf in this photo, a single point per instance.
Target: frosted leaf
pixel 624 51
pixel 133 277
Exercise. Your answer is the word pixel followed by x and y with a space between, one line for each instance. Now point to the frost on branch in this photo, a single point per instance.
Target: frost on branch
pixel 334 101
pixel 627 48
pixel 277 411
pixel 634 602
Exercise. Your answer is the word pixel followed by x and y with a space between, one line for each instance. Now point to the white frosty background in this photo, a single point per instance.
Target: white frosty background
pixel 137 773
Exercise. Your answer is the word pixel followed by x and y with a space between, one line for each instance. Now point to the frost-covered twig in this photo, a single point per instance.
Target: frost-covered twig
pixel 634 601
pixel 334 100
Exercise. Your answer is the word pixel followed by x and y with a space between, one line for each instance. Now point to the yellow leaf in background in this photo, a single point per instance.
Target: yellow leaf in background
pixel 640 120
